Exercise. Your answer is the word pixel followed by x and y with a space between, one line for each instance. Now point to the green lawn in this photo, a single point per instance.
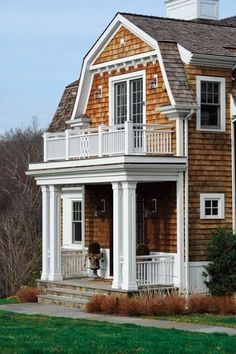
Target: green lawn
pixel 8 301
pixel 40 334
pixel 212 320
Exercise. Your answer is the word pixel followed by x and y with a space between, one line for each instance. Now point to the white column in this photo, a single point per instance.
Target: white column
pixel 45 233
pixel 180 231
pixel 55 235
pixel 129 138
pixel 129 281
pixel 179 137
pixel 117 234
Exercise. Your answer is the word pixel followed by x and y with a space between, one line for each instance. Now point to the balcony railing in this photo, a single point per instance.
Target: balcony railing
pixel 124 139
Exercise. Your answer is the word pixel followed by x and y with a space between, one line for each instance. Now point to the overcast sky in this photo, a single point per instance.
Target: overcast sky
pixel 42 43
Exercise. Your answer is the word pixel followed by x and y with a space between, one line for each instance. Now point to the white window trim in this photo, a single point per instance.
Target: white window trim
pixel 221 80
pixel 130 76
pixel 69 196
pixel 221 205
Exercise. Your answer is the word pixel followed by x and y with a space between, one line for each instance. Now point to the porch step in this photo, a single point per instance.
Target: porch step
pixel 62 301
pixel 74 294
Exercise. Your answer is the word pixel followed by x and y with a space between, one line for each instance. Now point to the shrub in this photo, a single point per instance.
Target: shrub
pixel 128 306
pixel 174 305
pixel 28 294
pixel 94 304
pixel 224 305
pixel 109 304
pixel 199 303
pixel 222 268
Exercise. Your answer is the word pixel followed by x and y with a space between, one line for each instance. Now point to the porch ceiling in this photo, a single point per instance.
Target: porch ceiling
pixel 107 170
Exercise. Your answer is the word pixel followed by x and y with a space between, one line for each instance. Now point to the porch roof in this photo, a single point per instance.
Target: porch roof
pixel 109 169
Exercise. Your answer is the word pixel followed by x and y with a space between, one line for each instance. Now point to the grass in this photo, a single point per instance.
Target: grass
pixel 40 334
pixel 8 301
pixel 206 319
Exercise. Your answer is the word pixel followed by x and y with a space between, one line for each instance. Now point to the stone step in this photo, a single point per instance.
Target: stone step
pixel 62 301
pixel 66 292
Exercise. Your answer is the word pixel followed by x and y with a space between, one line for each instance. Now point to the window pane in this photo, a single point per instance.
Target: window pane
pixel 208 211
pixel 208 204
pixel 215 211
pixel 120 108
pixel 214 203
pixel 210 116
pixel 77 232
pixel 136 98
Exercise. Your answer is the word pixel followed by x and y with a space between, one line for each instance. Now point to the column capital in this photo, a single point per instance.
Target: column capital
pixel 129 185
pixel 116 185
pixel 44 189
pixel 54 189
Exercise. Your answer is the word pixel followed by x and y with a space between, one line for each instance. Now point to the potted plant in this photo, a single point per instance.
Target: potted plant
pixel 94 256
pixel 142 250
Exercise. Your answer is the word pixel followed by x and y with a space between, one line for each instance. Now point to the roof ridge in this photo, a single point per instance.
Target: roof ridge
pixel 197 21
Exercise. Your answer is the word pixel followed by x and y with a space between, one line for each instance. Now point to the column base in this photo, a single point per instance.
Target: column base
pixel 55 277
pixel 130 287
pixel 44 277
pixel 115 285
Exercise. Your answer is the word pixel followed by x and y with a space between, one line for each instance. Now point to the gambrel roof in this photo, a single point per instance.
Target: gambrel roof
pixel 176 41
pixel 203 37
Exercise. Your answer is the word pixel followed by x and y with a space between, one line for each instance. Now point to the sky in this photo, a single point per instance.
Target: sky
pixel 42 44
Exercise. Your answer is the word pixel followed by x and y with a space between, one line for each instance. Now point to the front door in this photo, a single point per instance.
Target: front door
pixel 140 218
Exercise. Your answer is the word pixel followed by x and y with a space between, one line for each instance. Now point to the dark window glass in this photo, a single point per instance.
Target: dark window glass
pixel 210 105
pixel 77 222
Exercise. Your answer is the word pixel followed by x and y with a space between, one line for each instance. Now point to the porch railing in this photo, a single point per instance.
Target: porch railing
pixel 72 264
pixel 123 139
pixel 154 270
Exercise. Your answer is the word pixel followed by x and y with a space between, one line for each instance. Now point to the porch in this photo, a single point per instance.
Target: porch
pixel 151 271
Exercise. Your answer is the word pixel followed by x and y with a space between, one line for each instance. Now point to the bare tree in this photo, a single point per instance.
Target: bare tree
pixel 20 208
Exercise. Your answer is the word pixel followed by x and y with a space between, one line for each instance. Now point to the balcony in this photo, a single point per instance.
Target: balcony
pixel 124 139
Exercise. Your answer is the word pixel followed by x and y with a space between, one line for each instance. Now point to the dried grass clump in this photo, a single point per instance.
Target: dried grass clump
pixel 224 305
pixel 28 294
pixel 151 304
pixel 129 306
pixel 174 305
pixel 109 304
pixel 94 304
pixel 199 303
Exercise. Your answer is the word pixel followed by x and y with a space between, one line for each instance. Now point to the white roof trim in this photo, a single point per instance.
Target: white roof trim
pixel 217 61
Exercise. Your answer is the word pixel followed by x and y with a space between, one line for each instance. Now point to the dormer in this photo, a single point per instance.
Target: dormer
pixel 193 9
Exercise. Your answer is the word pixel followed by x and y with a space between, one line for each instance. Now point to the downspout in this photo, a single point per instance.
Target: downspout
pixel 186 202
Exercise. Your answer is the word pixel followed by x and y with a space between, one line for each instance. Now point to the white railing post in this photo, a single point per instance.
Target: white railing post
pixel 129 138
pixel 45 147
pixel 67 144
pixel 100 140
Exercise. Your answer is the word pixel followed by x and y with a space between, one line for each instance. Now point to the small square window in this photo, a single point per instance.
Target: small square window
pixel 212 206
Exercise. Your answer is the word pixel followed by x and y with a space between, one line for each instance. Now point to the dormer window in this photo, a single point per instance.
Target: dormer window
pixel 211 102
pixel 127 98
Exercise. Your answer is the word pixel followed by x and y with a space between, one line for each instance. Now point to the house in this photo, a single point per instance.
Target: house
pixel 142 150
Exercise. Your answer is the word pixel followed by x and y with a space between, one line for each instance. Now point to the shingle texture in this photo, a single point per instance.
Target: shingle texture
pixel 65 108
pixel 203 37
pixel 175 72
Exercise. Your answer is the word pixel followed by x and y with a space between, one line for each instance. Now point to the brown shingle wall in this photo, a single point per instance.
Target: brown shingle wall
pixel 116 50
pixel 98 228
pixel 209 169
pixel 160 228
pixel 98 109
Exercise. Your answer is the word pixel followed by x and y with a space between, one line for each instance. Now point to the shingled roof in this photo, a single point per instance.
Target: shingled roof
pixel 200 37
pixel 65 108
pixel 175 72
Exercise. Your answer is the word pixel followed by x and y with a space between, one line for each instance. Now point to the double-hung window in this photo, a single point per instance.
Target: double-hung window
pixel 76 221
pixel 127 98
pixel 211 102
